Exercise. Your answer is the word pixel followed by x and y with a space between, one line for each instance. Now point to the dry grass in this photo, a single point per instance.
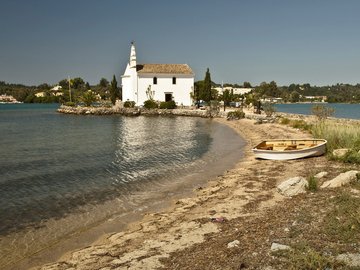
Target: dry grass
pixel 343 221
pixel 340 136
pixel 304 257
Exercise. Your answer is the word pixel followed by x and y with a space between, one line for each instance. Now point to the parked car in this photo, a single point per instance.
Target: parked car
pixel 201 104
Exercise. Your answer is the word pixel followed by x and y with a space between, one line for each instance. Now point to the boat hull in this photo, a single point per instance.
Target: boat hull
pixel 318 148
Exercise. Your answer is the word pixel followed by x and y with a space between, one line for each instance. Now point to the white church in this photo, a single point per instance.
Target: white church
pixel 161 82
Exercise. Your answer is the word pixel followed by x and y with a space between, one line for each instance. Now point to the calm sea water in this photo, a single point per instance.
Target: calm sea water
pixel 60 173
pixel 351 111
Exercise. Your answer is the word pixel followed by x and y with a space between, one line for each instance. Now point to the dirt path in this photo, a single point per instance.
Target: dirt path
pixel 194 233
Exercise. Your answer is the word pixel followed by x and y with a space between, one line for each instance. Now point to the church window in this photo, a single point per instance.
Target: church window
pixel 154 80
pixel 174 80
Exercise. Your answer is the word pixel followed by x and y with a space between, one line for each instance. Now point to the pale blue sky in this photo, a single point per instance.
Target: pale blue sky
pixel 304 41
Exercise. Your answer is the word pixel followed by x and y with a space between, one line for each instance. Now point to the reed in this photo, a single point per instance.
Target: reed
pixel 340 135
pixel 295 123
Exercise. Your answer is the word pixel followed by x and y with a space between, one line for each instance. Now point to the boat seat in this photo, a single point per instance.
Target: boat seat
pixel 291 147
pixel 279 148
pixel 266 147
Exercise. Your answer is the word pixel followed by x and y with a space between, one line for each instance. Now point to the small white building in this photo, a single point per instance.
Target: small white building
pixel 40 94
pixel 161 82
pixel 56 88
pixel 236 91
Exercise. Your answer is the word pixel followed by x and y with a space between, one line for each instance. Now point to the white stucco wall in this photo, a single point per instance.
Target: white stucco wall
pixel 180 91
pixel 128 83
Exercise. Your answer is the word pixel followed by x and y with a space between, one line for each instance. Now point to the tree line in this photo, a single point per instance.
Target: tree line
pixel 203 90
pixel 73 90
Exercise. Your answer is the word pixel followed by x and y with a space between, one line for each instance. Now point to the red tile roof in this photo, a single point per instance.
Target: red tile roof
pixel 164 68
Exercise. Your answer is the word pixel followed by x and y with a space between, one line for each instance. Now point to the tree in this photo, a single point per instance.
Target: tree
pixel 113 90
pixel 322 112
pixel 87 86
pixel 205 92
pixel 294 96
pixel 104 82
pixel 272 90
pixel 269 109
pixel 149 93
pixel 44 86
pixel 64 84
pixel 247 85
pixel 88 98
pixel 77 83
pixel 198 86
pixel 268 90
pixel 227 97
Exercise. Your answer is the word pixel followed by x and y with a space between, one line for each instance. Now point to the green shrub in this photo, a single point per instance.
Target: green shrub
pixel 322 112
pixel 71 104
pixel 300 124
pixel 284 121
pixel 269 109
pixel 89 97
pixel 312 184
pixel 105 104
pixel 168 105
pixel 129 104
pixel 295 123
pixel 351 156
pixel 150 104
pixel 237 114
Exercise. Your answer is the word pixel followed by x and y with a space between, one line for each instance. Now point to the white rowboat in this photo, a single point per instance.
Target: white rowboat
pixel 290 149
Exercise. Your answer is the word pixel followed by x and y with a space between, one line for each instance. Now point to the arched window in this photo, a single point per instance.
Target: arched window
pixel 154 80
pixel 174 80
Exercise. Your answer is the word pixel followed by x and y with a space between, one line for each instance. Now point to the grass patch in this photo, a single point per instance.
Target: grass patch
pixel 312 184
pixel 343 221
pixel 284 121
pixel 295 123
pixel 340 136
pixel 304 257
pixel 352 156
pixel 237 114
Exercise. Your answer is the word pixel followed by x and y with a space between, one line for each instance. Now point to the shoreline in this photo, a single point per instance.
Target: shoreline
pixel 239 193
pixel 182 185
pixel 166 228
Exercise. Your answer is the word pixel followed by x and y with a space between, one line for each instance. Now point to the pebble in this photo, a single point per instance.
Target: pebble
pixel 233 244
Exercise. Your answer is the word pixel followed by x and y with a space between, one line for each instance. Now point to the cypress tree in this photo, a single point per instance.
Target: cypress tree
pixel 207 87
pixel 113 89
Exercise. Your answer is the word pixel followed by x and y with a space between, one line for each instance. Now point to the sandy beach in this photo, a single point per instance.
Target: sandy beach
pixel 241 205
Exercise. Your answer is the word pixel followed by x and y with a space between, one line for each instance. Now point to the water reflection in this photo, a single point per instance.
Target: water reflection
pixel 68 172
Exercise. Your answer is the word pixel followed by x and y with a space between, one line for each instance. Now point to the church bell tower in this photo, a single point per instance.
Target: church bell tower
pixel 132 56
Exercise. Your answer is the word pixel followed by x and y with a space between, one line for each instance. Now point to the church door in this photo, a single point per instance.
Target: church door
pixel 168 97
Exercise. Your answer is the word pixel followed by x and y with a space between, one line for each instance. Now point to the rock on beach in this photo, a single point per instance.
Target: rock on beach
pixel 293 186
pixel 341 180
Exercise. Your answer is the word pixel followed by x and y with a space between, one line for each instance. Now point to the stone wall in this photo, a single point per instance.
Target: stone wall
pixel 259 118
pixel 130 111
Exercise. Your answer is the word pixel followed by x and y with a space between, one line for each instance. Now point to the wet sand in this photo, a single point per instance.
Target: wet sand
pixel 191 220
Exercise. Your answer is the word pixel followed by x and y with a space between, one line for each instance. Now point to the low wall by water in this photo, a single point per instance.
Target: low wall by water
pixel 135 111
pixel 260 118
